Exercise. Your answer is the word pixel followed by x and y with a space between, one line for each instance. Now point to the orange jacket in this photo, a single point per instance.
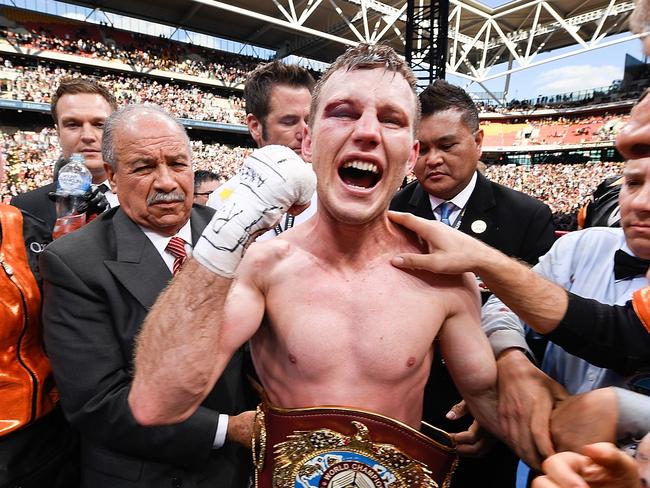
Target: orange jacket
pixel 26 386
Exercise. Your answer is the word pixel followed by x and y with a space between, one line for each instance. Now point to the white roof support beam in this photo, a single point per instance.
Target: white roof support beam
pixel 279 22
pixel 602 22
pixel 390 22
pixel 287 15
pixel 554 58
pixel 311 6
pixel 351 26
pixel 572 30
pixel 482 39
pixel 538 9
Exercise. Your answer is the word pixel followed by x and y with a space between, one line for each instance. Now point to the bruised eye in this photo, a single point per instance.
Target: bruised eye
pixel 343 112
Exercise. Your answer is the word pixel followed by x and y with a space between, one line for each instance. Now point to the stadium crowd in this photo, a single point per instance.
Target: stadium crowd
pixel 563 187
pixel 33 83
pixel 109 44
pixel 30 158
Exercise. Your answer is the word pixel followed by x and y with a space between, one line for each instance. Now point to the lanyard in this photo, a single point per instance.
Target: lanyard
pixel 288 224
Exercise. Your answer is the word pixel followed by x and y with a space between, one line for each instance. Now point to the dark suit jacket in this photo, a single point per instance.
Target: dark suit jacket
pixel 99 282
pixel 518 226
pixel 37 203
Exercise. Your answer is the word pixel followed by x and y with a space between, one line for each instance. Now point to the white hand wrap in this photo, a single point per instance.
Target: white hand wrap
pixel 271 180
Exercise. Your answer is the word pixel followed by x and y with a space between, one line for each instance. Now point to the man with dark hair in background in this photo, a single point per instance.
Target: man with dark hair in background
pixel 277 104
pixel 450 189
pixel 278 97
pixel 205 182
pixel 79 108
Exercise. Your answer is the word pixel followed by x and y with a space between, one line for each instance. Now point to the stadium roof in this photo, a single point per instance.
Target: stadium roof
pixel 480 37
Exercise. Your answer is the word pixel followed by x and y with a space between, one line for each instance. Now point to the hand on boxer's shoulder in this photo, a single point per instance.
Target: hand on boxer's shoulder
pixel 272 180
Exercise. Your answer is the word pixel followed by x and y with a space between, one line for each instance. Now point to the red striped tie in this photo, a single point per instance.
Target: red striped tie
pixel 176 248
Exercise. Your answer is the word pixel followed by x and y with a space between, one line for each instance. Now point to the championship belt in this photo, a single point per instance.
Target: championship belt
pixel 335 447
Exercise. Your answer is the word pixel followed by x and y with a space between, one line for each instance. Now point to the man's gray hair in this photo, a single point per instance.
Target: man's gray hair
pixel 122 117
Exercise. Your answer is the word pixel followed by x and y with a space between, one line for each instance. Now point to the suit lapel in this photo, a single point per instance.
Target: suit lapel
pixel 198 220
pixel 478 209
pixel 138 267
pixel 420 204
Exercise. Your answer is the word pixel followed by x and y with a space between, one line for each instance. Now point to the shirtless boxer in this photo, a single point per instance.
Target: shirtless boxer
pixel 329 319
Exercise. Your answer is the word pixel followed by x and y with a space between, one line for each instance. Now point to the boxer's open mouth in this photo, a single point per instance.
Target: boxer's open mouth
pixel 360 174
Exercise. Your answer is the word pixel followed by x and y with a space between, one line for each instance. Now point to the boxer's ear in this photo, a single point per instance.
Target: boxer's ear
pixel 306 145
pixel 413 156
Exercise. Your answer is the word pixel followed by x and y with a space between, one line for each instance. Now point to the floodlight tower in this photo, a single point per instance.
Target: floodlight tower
pixel 427 29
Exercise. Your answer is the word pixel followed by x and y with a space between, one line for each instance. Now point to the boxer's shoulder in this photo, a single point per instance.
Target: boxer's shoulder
pixel 268 254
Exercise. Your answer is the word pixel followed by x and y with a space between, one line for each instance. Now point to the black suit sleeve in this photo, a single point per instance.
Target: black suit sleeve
pixel 93 374
pixel 37 203
pixel 608 336
pixel 539 236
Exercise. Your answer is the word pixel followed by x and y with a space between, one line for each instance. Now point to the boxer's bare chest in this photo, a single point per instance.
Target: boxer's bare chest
pixel 375 322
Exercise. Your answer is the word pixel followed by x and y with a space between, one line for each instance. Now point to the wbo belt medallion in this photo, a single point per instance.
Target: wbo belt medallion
pixel 336 447
pixel 328 459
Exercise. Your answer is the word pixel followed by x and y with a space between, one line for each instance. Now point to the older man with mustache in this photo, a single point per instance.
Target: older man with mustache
pixel 99 284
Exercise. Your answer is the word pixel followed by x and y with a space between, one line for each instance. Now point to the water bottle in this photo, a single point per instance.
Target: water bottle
pixel 72 183
pixel 74 178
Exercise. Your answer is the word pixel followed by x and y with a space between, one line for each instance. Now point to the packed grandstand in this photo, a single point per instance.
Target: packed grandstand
pixel 555 149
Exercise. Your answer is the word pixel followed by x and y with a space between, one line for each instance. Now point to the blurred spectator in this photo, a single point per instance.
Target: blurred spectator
pixel 205 182
pixel 37 446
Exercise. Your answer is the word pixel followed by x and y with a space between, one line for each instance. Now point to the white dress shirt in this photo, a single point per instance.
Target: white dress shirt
pixel 583 263
pixel 110 196
pixel 459 201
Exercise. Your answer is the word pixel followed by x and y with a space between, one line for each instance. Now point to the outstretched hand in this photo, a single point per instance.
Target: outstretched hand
pixel 449 251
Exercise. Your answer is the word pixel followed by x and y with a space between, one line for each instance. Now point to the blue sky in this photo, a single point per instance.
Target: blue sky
pixel 593 69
